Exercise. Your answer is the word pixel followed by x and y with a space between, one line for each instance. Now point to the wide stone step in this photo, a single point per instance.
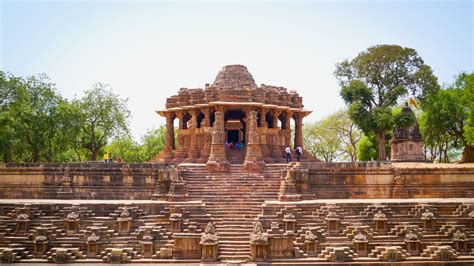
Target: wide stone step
pixel 233 243
pixel 234 230
pixel 233 259
pixel 222 222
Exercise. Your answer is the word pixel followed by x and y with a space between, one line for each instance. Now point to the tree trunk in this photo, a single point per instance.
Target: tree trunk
pixel 381 143
pixel 93 155
pixel 467 154
pixel 36 156
pixel 7 154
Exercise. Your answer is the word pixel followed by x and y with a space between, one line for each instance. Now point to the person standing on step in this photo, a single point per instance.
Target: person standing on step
pixel 299 151
pixel 106 157
pixel 288 154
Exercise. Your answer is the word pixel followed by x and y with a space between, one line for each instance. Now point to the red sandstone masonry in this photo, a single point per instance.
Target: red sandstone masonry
pixel 326 181
pixel 88 180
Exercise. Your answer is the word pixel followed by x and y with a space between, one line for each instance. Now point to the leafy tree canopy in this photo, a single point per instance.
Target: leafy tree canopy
pixel 376 79
pixel 449 112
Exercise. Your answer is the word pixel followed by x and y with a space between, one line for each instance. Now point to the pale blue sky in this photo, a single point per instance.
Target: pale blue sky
pixel 147 50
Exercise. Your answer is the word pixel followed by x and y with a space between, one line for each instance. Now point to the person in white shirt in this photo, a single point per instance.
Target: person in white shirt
pixel 288 154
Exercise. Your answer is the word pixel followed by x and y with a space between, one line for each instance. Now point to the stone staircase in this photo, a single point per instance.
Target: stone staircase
pixel 234 201
pixel 235 156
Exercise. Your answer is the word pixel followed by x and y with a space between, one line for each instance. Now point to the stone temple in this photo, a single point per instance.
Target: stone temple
pixel 201 202
pixel 234 110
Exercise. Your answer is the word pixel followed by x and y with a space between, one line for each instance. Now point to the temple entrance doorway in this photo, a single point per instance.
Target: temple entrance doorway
pixel 232 136
pixel 235 126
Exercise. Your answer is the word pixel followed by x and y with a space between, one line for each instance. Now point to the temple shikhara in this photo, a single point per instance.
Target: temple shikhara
pixel 222 192
pixel 232 110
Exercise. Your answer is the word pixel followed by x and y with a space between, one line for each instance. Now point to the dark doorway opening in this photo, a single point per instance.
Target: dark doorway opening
pixel 232 136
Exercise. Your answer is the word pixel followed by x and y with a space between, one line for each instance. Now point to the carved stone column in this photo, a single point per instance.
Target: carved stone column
pixel 263 137
pixel 298 130
pixel 253 158
pixel 192 151
pixel 274 145
pixel 288 127
pixel 276 114
pixel 169 141
pixel 247 125
pixel 217 158
pixel 207 116
pixel 263 120
pixel 180 151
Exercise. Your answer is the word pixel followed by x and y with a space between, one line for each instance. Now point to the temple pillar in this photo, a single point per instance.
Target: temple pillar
pixel 180 151
pixel 207 117
pixel 275 115
pixel 263 120
pixel 263 136
pixel 206 137
pixel 288 128
pixel 247 123
pixel 253 157
pixel 217 158
pixel 169 140
pixel 192 151
pixel 274 145
pixel 298 130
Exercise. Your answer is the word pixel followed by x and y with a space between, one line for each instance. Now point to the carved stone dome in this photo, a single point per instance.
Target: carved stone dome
pixel 234 77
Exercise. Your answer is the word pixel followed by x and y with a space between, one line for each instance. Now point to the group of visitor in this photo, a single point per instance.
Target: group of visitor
pixel 109 158
pixel 298 151
pixel 234 145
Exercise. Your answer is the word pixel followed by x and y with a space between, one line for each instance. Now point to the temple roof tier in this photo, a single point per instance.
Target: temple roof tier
pixel 235 84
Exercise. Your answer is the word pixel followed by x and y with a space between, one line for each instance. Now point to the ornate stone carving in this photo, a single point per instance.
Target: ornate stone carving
pixel 234 90
pixel 258 243
pixel 361 244
pixel 22 222
pixel 217 158
pixel 412 242
pixel 162 185
pixel 288 184
pixel 253 158
pixel 65 190
pixel 380 220
pixel 332 222
pixel 209 243
pixel 428 218
pixel 460 241
pixel 124 221
pixel 178 191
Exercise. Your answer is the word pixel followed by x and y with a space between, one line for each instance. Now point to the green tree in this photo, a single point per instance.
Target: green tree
pixel 375 80
pixel 367 149
pixel 32 104
pixel 449 115
pixel 8 87
pixel 320 141
pixel 348 134
pixel 125 148
pixel 153 142
pixel 103 116
pixel 334 138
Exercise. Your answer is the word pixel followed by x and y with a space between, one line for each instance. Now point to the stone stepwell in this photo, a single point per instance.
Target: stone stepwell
pixel 308 213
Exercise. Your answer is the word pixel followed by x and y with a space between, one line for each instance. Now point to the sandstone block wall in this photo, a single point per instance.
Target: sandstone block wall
pixel 84 180
pixel 387 180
